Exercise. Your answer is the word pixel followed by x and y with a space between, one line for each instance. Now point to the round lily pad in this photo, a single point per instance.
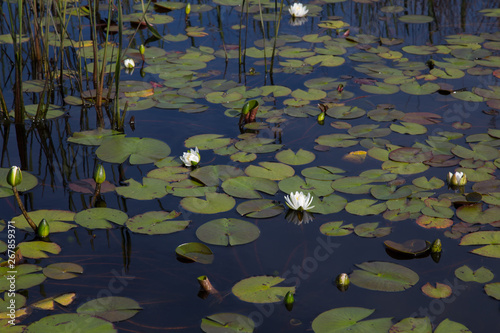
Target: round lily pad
pixel 322 172
pixel 296 183
pixel 150 188
pixel 365 207
pixel 26 276
pixel 413 247
pixel 214 203
pixel 261 289
pixel 197 252
pixel 270 170
pixel 140 151
pixel 228 231
pixel 350 319
pixel 57 220
pixel 383 276
pixel 100 218
pixel 38 249
pixel 62 270
pixel 336 228
pixel 227 323
pixel 247 187
pixel 371 230
pixel 260 208
pixel 299 158
pixel 67 322
pixel 207 141
pixel 156 223
pixel 29 181
pixel 480 275
pixel 441 290
pixel 491 240
pixel 211 175
pixel 112 308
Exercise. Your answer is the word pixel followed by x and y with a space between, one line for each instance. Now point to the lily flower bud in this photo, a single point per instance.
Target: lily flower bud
pixel 14 177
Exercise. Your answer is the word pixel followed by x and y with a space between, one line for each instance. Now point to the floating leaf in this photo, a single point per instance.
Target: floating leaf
pixel 350 319
pixel 62 270
pixel 156 223
pixel 322 173
pixel 57 219
pixel 413 325
pixel 29 181
pixel 150 189
pixel 493 290
pixel 270 170
pixel 336 140
pixel 413 247
pixel 480 275
pixel 26 276
pixel 260 208
pixel 92 137
pixel 416 19
pixel 228 231
pixel 227 323
pixel 448 326
pixel 371 230
pixel 169 173
pixel 365 207
pixel 434 222
pixel 100 218
pixel 197 252
pixel 257 145
pixel 383 276
pixel 478 152
pixel 214 203
pixel 380 88
pixel 207 141
pixel 473 213
pixel 489 238
pixel 409 128
pixel 247 187
pixel 336 228
pixel 299 158
pixel 112 308
pixel 140 151
pixel 38 249
pixel 440 291
pixel 296 183
pixel 68 321
pixel 210 175
pixel 261 289
pixel 414 88
pixel 329 205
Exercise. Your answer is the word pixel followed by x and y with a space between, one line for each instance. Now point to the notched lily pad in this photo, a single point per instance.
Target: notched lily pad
pixel 100 218
pixel 196 252
pixel 156 223
pixel 261 289
pixel 112 308
pixel 62 270
pixel 228 231
pixel 383 276
pixel 227 323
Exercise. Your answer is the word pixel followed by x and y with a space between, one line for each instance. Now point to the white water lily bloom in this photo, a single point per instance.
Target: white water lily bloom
pixel 457 178
pixel 191 157
pixel 129 63
pixel 299 201
pixel 298 10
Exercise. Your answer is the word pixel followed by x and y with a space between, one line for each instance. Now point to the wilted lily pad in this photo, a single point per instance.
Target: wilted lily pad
pixel 383 276
pixel 140 151
pixel 214 203
pixel 227 323
pixel 228 231
pixel 155 223
pixel 67 322
pixel 112 308
pixel 197 252
pixel 62 270
pixel 100 218
pixel 413 247
pixel 261 289
pixel 480 275
pixel 350 319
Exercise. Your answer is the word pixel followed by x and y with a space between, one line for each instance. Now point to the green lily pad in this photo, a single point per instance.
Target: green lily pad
pixel 489 238
pixel 57 220
pixel 26 276
pixel 480 275
pixel 371 230
pixel 29 181
pixel 350 319
pixel 493 290
pixel 169 173
pixel 150 189
pixel 112 308
pixel 336 228
pixel 247 187
pixel 189 188
pixel 156 223
pixel 413 247
pixel 260 208
pixel 416 19
pixel 19 299
pixel 100 218
pixel 257 145
pixel 214 203
pixel 353 185
pixel 409 128
pixel 210 175
pixel 403 168
pixel 383 276
pixel 270 170
pixel 336 140
pixel 91 138
pixel 410 155
pixel 448 326
pixel 478 152
pixel 67 322
pixel 322 173
pixel 62 270
pixel 388 192
pixel 330 204
pixel 346 112
pixel 207 141
pixel 140 151
pixel 299 158
pixel 368 131
pixel 228 231
pixel 413 325
pixel 227 323
pixel 365 207
pixel 431 184
pixel 473 213
pixel 414 88
pixel 441 290
pixel 38 249
pixel 296 183
pixel 197 252
pixel 261 289
pixel 380 88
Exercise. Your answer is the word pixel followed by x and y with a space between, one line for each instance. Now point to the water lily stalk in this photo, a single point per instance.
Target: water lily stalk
pixel 14 178
pixel 206 285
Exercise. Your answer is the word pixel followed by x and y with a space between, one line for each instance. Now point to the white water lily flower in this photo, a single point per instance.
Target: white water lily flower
pixel 191 157
pixel 299 201
pixel 457 178
pixel 298 10
pixel 129 63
